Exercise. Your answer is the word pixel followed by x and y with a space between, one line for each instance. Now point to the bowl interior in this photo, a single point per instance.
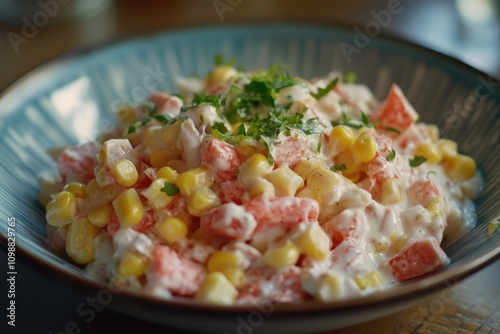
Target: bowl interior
pixel 71 99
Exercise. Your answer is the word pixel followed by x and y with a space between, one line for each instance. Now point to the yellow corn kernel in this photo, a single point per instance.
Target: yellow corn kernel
pixel 400 243
pixel 61 209
pixel 128 208
pixel 459 167
pixel 221 74
pixel 193 179
pixel 433 131
pixel 124 172
pixel 198 235
pixel 429 151
pixel 437 207
pixel 315 242
pixel 341 138
pixel 305 167
pixel 76 188
pixel 391 192
pixel 170 132
pixel 168 174
pixel 126 114
pixel 322 182
pixel 347 159
pixel 160 158
pixel 447 147
pixel 152 136
pixel 494 225
pixel 234 275
pixel 201 200
pixel 247 148
pixel 282 256
pixel 393 236
pixel 364 148
pixel 353 177
pixel 256 166
pixel 156 197
pixel 222 259
pixel 216 289
pixel 380 246
pixel 172 229
pixel 133 265
pixel 80 240
pixel 370 280
pixel 261 186
pixel 329 288
pixel 100 214
pixel 285 181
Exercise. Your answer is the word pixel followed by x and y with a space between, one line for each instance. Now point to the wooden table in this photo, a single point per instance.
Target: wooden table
pixel 476 308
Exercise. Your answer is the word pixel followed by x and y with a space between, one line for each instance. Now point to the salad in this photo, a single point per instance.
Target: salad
pixel 255 186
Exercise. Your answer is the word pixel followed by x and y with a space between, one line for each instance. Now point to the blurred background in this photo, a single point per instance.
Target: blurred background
pixel 34 31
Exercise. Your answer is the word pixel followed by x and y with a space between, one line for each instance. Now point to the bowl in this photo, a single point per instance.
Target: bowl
pixel 71 99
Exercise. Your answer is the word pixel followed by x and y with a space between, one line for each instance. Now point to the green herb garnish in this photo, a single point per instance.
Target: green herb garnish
pixel 170 189
pixel 338 167
pixel 390 128
pixel 392 155
pixel 417 161
pixel 323 91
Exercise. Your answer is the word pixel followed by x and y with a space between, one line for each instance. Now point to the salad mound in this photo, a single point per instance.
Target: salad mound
pixel 255 186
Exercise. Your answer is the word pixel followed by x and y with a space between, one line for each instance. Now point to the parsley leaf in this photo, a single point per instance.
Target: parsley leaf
pixel 390 128
pixel 131 129
pixel 338 167
pixel 170 189
pixel 392 155
pixel 323 91
pixel 417 161
pixel 350 77
pixel 219 60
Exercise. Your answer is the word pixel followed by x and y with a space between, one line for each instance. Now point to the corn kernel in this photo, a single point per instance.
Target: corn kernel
pixel 62 209
pixel 459 167
pixel 170 132
pixel 285 181
pixel 282 256
pixel 261 186
pixel 100 214
pixel 400 243
pixel 433 131
pixel 128 208
pixel 216 289
pixel 354 177
pixel 172 229
pixel 370 280
pixel 247 148
pixel 494 225
pixel 222 259
pixel 391 192
pixel 124 172
pixel 256 166
pixel 364 148
pixel 193 179
pixel 322 182
pixel 133 265
pixel 305 167
pixel 341 138
pixel 200 236
pixel 160 158
pixel 437 207
pixel 380 246
pixel 429 151
pixel 221 74
pixel 347 159
pixel 167 173
pixel 126 115
pixel 156 197
pixel 80 240
pixel 152 136
pixel 447 147
pixel 235 275
pixel 329 288
pixel 201 200
pixel 76 188
pixel 315 242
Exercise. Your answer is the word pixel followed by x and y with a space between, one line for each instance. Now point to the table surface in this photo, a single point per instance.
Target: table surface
pixel 438 25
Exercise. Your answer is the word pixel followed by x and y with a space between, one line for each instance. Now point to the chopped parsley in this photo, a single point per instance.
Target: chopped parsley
pixel 350 77
pixel 338 168
pixel 323 91
pixel 417 161
pixel 392 155
pixel 170 189
pixel 391 129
